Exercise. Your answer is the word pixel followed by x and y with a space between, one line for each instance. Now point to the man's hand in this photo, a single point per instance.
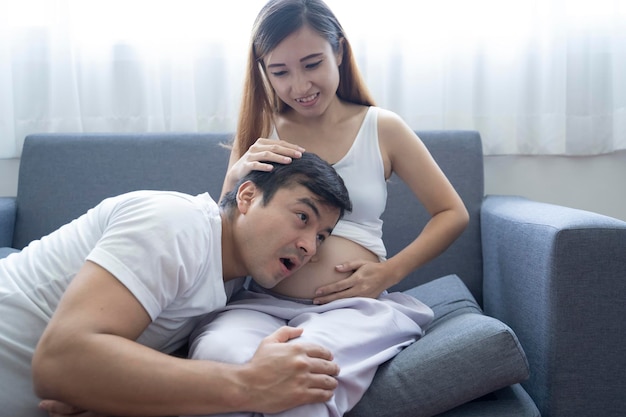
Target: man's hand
pixel 279 376
pixel 284 375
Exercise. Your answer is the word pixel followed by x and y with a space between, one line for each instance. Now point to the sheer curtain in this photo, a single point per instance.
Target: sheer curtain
pixel 533 76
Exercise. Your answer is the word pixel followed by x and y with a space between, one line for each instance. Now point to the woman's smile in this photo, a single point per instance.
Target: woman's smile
pixel 309 100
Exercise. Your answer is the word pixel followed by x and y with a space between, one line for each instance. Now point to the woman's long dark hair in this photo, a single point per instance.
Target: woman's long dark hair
pixel 277 20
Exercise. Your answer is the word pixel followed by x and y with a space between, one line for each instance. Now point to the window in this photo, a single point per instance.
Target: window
pixel 533 76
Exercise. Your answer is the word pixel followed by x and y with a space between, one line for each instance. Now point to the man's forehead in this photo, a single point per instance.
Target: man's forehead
pixel 300 194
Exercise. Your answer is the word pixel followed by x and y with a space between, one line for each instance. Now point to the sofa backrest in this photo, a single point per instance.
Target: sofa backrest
pixel 63 175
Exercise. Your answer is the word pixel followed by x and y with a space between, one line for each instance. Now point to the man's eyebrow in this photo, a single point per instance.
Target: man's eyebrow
pixel 309 202
pixel 301 60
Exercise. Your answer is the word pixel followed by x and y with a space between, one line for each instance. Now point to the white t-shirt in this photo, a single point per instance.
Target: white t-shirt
pixel 165 247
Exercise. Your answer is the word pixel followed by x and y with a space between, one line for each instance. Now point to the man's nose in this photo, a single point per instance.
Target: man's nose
pixel 308 244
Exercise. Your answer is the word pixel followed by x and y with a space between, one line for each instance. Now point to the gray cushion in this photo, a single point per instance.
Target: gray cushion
pixel 447 296
pixel 511 401
pixel 463 356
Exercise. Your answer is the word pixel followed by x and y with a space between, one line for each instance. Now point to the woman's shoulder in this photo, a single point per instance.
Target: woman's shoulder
pixel 387 116
pixel 391 125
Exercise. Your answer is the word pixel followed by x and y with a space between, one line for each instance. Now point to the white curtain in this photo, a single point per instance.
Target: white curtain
pixel 533 76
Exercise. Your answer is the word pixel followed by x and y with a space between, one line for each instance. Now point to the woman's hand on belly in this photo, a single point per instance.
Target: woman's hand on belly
pixel 322 272
pixel 367 279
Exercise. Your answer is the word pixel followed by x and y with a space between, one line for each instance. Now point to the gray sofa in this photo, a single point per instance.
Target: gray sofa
pixel 529 302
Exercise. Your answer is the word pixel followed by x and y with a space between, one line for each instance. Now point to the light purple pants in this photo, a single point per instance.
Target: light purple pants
pixel 362 333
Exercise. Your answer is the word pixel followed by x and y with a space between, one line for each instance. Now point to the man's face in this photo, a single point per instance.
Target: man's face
pixel 277 239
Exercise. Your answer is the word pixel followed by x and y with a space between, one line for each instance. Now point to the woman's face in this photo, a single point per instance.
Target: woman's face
pixel 304 71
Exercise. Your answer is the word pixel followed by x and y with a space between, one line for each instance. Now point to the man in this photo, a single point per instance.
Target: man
pixel 105 297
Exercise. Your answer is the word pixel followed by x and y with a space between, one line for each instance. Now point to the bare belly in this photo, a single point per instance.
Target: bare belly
pixel 321 269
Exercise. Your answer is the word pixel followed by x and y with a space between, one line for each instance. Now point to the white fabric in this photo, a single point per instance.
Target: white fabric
pixel 164 246
pixel 362 333
pixel 363 173
pixel 533 76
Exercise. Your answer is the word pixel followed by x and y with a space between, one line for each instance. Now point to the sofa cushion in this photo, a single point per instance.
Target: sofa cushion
pixel 448 297
pixel 463 356
pixel 512 401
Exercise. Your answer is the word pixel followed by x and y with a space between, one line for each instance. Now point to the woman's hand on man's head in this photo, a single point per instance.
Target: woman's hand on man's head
pixel 263 151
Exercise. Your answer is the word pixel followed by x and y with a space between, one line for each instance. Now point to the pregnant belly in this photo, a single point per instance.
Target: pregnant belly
pixel 321 269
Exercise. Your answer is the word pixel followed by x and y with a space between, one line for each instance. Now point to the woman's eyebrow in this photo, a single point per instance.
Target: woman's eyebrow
pixel 311 56
pixel 316 55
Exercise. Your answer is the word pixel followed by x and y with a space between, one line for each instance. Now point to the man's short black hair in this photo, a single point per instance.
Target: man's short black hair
pixel 310 171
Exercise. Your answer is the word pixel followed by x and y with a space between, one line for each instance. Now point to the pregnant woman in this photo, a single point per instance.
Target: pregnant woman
pixel 303 92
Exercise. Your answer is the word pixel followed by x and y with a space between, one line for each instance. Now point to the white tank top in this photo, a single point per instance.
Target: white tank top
pixel 363 173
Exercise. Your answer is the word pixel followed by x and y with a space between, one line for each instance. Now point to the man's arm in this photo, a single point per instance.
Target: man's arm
pixel 87 357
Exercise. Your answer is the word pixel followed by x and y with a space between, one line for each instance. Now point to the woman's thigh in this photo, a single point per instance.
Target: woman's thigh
pixel 233 335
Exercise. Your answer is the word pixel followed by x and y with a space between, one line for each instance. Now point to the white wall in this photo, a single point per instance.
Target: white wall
pixel 595 183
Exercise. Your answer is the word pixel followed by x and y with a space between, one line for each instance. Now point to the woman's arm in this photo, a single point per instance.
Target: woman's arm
pixel 406 155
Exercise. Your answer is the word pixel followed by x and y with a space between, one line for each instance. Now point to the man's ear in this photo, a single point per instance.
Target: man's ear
pixel 246 193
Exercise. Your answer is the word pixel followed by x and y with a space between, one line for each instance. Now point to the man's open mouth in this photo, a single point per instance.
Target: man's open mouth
pixel 289 264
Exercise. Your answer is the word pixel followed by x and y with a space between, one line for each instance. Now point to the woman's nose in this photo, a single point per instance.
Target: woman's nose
pixel 301 84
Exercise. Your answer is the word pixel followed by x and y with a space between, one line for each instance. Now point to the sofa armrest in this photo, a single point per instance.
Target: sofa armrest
pixel 557 277
pixel 8 209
